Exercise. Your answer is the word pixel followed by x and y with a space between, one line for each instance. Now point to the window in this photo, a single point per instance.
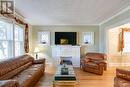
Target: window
pixel 88 38
pixel 6 40
pixel 44 38
pixel 19 40
pixel 11 40
pixel 126 42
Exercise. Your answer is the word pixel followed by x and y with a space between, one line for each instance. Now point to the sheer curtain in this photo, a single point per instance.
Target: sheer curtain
pixel 19 40
pixel 11 39
pixel 6 39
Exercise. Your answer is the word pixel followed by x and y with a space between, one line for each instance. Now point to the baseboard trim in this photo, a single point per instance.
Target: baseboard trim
pixel 119 64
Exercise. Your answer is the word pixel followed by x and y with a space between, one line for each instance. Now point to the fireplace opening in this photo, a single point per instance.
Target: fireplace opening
pixel 66 60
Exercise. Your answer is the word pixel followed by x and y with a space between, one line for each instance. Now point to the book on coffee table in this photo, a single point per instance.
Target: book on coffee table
pixel 69 76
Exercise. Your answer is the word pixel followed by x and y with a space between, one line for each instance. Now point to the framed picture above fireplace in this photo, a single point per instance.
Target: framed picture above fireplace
pixel 66 38
pixel 87 38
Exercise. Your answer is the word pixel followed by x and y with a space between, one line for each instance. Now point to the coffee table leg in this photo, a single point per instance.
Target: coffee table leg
pixel 53 84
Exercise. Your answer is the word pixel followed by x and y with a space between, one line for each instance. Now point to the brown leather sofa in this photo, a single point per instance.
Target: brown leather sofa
pixel 94 63
pixel 22 71
pixel 122 78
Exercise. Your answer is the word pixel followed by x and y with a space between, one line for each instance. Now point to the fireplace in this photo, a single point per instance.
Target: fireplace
pixel 67 54
pixel 65 38
pixel 66 60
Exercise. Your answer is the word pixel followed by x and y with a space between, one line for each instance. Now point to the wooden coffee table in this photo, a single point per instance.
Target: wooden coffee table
pixel 69 79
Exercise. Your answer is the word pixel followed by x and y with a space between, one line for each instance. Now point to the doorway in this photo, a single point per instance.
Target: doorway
pixel 119 45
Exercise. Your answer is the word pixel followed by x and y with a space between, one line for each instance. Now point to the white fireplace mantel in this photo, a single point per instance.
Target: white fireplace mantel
pixel 73 52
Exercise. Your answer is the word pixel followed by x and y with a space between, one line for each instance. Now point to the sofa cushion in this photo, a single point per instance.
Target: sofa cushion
pixel 15 72
pixel 9 83
pixel 28 76
pixel 91 65
pixel 13 63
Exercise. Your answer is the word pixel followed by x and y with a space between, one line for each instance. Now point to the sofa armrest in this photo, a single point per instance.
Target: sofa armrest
pixel 85 60
pixel 39 61
pixel 9 83
pixel 123 73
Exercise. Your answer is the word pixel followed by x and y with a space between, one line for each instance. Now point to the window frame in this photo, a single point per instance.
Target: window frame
pixel 40 37
pixel 13 44
pixel 91 35
pixel 9 52
pixel 16 24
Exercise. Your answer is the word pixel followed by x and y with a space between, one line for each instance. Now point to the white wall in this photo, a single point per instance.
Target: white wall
pixel 118 20
pixel 113 41
pixel 79 29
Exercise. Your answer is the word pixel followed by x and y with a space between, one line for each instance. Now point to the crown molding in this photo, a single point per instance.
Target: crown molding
pixel 120 12
pixel 68 25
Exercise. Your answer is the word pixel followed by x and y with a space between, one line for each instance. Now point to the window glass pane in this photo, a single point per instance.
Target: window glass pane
pixel 10 48
pixel 3 49
pixel 126 42
pixel 16 33
pixel 21 47
pixel 19 44
pixel 17 47
pixel 9 31
pixel 11 40
pixel 21 37
pixel 6 40
pixel 44 37
pixel 2 30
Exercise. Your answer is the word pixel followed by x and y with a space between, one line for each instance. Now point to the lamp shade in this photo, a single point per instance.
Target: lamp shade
pixel 36 50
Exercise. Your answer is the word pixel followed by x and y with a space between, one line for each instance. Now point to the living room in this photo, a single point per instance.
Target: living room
pixel 53 43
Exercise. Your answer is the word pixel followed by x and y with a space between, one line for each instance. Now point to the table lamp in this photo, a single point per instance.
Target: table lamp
pixel 36 50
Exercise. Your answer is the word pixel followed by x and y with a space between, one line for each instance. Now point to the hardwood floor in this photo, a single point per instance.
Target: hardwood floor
pixel 119 59
pixel 89 79
pixel 85 79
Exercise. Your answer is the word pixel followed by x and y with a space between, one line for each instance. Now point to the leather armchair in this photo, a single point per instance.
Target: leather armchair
pixel 94 63
pixel 122 78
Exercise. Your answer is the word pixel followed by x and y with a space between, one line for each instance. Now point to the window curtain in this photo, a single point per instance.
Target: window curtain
pixel 121 38
pixel 26 39
pixel 26 31
pixel 121 42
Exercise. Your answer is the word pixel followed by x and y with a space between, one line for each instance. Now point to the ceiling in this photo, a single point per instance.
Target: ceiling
pixel 69 12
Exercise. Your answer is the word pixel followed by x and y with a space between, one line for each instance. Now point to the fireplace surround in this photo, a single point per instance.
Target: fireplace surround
pixel 67 52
